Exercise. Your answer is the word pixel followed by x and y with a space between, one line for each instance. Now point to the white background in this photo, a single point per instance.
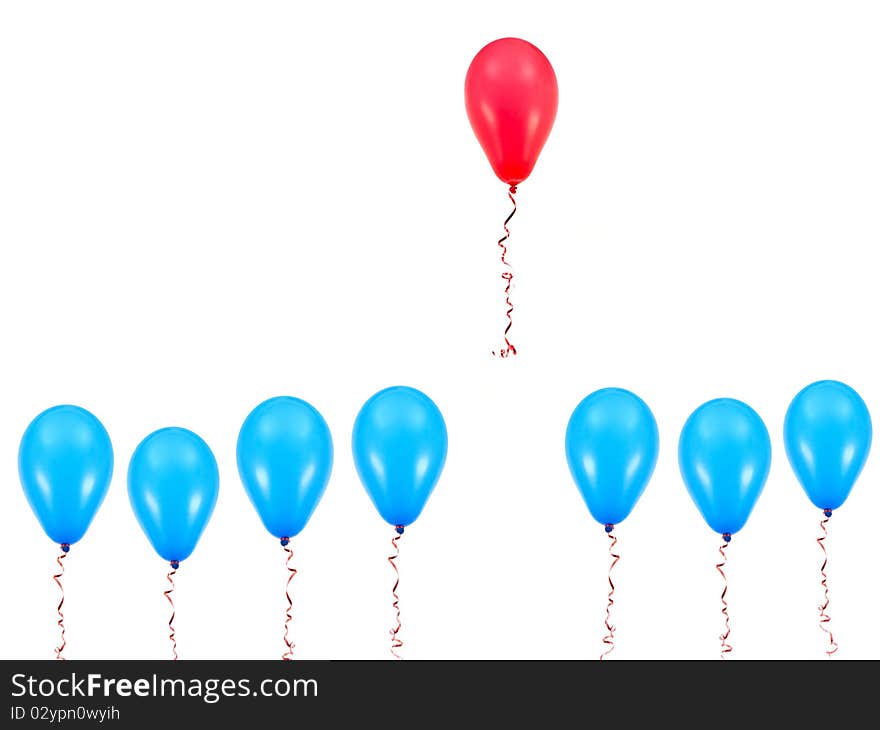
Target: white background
pixel 205 204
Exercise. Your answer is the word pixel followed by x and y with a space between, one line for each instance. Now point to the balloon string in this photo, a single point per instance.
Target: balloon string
pixel 172 635
pixel 507 276
pixel 59 650
pixel 291 572
pixel 824 618
pixel 608 639
pixel 396 642
pixel 726 648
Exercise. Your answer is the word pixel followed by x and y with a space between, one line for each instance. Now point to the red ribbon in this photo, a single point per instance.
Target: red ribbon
pixel 508 349
pixel 824 618
pixel 726 648
pixel 608 639
pixel 288 654
pixel 57 578
pixel 171 635
pixel 396 642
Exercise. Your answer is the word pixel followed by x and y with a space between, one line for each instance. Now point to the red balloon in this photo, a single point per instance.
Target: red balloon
pixel 511 97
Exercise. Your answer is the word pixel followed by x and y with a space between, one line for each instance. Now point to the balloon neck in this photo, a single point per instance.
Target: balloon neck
pixel 826 512
pixel 175 564
pixel 285 541
pixel 398 529
pixel 726 537
pixel 65 547
pixel 609 527
pixel 512 190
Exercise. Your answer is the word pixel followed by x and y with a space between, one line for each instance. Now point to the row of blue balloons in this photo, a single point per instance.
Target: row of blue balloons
pixel 284 454
pixel 399 443
pixel 723 453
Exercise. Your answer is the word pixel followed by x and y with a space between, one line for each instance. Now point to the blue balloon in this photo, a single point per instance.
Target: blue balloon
pixel 285 454
pixel 827 439
pixel 173 483
pixel 611 444
pixel 65 463
pixel 724 457
pixel 399 444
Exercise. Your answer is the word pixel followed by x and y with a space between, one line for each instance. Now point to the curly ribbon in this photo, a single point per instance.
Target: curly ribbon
pixel 726 648
pixel 59 650
pixel 507 276
pixel 824 618
pixel 288 654
pixel 174 566
pixel 396 642
pixel 608 639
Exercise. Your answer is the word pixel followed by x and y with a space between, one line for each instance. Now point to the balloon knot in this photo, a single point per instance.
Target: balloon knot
pixel 285 541
pixel 65 547
pixel 609 527
pixel 175 564
pixel 398 529
pixel 826 512
pixel 726 537
pixel 513 189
